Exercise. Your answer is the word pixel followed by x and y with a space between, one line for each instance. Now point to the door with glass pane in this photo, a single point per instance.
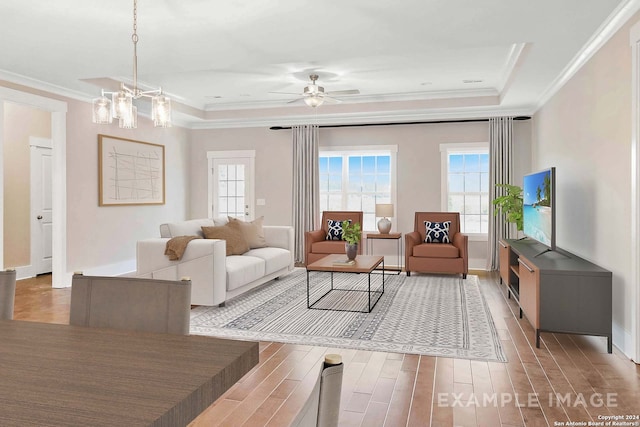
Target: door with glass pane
pixel 231 187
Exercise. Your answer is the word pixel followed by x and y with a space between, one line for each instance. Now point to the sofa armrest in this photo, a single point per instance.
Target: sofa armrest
pixel 410 240
pixel 203 261
pixel 461 241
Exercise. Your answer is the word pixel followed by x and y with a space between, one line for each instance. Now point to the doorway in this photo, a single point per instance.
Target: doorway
pixel 58 109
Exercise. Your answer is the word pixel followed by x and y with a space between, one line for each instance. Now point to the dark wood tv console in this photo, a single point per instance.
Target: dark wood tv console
pixel 557 290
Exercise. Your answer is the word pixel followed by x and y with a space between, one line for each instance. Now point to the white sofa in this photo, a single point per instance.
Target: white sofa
pixel 216 277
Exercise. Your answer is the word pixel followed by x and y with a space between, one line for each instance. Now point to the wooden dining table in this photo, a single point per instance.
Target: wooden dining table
pixel 61 375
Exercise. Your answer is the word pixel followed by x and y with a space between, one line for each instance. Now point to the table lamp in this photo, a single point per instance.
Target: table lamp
pixel 384 210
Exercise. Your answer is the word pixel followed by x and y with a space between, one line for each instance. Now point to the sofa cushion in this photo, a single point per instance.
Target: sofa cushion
pixel 252 231
pixel 437 232
pixel 334 229
pixel 328 247
pixel 436 250
pixel 275 258
pixel 243 269
pixel 192 227
pixel 236 243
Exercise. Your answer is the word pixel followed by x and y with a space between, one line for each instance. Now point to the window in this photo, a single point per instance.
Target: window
pixel 465 181
pixel 356 179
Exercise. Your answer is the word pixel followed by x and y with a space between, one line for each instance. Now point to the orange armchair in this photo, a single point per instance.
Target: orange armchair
pixel 316 244
pixel 424 257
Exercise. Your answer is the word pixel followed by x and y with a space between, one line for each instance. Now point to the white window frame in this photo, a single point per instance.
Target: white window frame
pixel 368 150
pixel 464 148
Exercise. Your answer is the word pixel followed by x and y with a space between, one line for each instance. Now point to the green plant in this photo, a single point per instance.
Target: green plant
pixel 351 232
pixel 510 204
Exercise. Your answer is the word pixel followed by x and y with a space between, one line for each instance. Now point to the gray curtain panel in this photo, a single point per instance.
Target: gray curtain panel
pixel 500 172
pixel 306 184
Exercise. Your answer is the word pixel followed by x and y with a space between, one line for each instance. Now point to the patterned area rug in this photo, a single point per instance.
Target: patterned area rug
pixel 422 314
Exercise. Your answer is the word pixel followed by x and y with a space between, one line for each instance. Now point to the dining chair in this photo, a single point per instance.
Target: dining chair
pixel 322 408
pixel 145 305
pixel 7 293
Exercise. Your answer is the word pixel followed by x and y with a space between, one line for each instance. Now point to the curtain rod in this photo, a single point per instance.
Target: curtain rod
pixel 401 123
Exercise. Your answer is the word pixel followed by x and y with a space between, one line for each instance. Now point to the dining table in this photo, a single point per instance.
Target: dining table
pixel 62 375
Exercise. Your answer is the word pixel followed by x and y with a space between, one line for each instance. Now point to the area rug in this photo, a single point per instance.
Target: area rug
pixel 421 314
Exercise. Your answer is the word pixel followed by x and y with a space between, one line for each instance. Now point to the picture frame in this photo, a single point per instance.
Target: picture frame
pixel 130 172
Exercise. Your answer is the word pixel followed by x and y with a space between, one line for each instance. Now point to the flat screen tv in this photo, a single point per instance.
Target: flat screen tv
pixel 539 207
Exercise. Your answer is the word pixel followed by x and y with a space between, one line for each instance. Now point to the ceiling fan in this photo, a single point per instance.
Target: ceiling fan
pixel 315 95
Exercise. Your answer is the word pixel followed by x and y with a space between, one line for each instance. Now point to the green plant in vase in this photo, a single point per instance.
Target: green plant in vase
pixel 510 204
pixel 351 233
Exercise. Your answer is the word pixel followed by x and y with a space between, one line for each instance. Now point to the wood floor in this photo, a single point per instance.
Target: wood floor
pixel 570 378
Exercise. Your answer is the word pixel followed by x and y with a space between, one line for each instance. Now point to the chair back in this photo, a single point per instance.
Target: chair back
pixel 322 408
pixel 354 216
pixel 7 293
pixel 145 305
pixel 421 217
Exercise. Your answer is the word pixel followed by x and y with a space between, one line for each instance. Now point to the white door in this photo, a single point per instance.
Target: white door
pixel 41 205
pixel 231 184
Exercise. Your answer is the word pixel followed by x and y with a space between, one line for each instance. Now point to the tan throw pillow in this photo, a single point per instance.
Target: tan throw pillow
pixel 236 243
pixel 252 231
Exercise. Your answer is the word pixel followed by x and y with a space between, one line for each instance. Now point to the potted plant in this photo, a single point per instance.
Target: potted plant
pixel 510 204
pixel 351 234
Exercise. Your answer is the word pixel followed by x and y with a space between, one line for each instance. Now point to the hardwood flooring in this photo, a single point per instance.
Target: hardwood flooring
pixel 569 378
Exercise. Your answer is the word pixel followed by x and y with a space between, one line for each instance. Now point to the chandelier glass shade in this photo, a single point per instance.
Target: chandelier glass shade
pixel 121 107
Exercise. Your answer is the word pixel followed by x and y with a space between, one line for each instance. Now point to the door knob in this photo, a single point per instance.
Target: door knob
pixel 39 217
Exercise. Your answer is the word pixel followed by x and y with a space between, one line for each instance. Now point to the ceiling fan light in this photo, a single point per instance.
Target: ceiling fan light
pixel 129 121
pixel 314 101
pixel 102 110
pixel 161 111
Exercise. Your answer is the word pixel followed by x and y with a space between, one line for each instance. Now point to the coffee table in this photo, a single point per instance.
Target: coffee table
pixel 364 264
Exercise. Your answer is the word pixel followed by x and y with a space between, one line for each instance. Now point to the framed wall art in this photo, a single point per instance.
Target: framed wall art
pixel 130 172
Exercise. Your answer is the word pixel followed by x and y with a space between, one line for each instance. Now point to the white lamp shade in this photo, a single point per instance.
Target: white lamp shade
pixel 384 210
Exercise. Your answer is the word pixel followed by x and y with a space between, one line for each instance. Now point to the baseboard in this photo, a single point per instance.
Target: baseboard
pixel 124 268
pixel 477 264
pixel 25 272
pixel 624 342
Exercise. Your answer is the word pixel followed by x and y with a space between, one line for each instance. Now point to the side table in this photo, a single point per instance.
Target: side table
pixel 389 236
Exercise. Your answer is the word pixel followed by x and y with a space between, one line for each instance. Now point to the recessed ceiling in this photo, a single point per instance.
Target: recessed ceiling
pixel 214 58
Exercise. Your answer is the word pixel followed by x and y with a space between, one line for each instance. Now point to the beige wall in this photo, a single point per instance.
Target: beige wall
pixel 102 240
pixel 418 165
pixel 104 235
pixel 585 132
pixel 20 123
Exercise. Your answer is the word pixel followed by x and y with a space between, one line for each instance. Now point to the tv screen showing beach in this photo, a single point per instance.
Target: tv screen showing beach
pixel 537 206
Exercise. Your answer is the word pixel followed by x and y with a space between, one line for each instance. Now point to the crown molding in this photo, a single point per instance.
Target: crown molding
pixel 365 117
pixel 43 86
pixel 359 99
pixel 614 22
pixel 510 65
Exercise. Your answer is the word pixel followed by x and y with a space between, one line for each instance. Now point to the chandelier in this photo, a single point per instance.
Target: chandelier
pixel 120 104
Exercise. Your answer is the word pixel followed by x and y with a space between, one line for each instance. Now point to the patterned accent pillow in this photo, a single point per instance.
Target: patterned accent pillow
pixel 437 232
pixel 334 227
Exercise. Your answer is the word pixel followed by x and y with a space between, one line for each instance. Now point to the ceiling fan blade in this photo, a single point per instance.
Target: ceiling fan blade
pixel 330 100
pixel 286 93
pixel 345 92
pixel 295 100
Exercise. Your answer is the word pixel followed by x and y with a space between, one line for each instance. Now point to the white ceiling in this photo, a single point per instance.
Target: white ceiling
pixel 220 61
